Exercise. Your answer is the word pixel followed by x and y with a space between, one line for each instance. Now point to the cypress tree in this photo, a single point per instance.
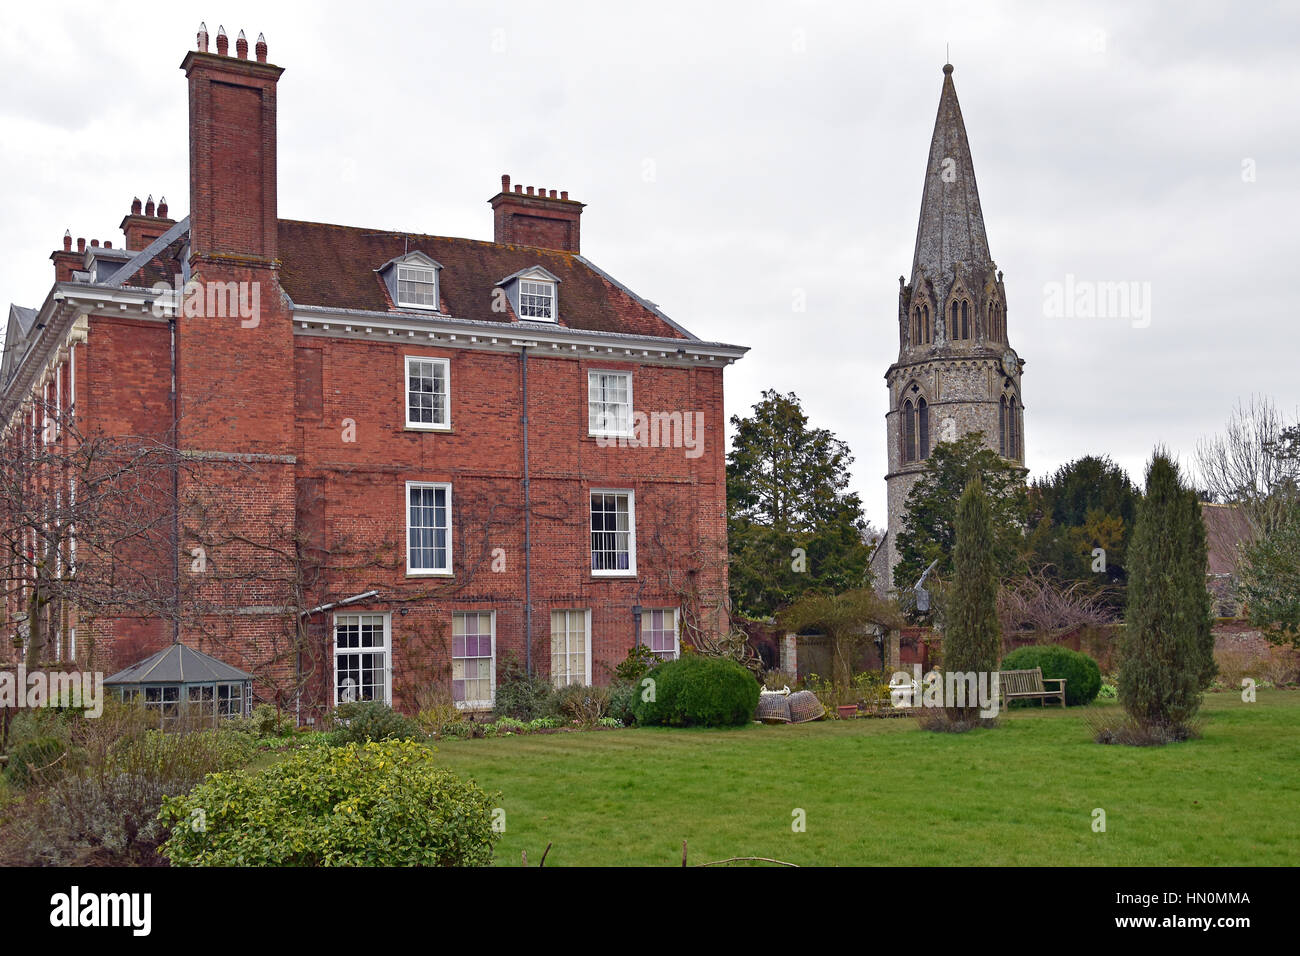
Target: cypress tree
pixel 971 638
pixel 1166 641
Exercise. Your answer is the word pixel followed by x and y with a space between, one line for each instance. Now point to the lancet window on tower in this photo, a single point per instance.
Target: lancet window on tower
pixel 916 429
pixel 922 327
pixel 961 327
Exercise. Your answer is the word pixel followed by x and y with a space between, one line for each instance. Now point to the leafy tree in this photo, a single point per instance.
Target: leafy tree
pixel 793 526
pixel 1270 581
pixel 972 640
pixel 1088 504
pixel 929 530
pixel 1167 654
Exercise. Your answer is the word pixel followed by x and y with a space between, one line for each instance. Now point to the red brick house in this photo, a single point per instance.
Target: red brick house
pixel 402 458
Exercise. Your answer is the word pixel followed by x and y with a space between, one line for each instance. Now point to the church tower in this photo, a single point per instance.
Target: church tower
pixel 956 372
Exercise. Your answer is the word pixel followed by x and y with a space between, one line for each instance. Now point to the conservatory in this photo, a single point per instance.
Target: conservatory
pixel 179 681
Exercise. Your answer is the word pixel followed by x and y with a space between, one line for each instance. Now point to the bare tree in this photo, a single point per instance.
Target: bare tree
pixel 1251 464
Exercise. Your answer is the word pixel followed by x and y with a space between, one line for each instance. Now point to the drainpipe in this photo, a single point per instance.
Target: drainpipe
pixel 176 494
pixel 528 515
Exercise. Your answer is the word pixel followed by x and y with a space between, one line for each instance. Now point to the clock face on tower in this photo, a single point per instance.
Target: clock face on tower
pixel 1010 365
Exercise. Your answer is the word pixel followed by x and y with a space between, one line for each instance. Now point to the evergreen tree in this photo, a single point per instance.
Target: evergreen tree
pixel 929 528
pixel 1167 641
pixel 971 637
pixel 793 526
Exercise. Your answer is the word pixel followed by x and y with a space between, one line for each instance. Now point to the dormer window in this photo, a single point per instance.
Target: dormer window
pixel 533 295
pixel 417 287
pixel 537 300
pixel 412 281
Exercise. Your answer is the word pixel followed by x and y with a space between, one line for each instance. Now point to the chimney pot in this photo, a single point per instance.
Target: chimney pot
pixel 94 243
pixel 530 190
pixel 162 208
pixel 81 244
pixel 148 205
pixel 261 48
pixel 203 38
pixel 505 182
pixel 552 193
pixel 241 46
pixel 223 41
pixel 108 245
pixel 135 206
pixel 67 241
pixel 519 189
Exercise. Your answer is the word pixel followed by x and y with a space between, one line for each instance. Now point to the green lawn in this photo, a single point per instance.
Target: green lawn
pixel 885 792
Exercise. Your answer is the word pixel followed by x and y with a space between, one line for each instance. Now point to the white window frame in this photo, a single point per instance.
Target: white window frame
pixel 445 424
pixel 72 643
pixel 350 652
pixel 397 287
pixel 630 572
pixel 677 630
pixel 553 288
pixel 445 572
pixel 492 667
pixel 592 430
pixel 586 627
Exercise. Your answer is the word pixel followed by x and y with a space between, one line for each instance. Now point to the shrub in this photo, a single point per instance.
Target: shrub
pixel 639 662
pixel 269 722
pixel 438 710
pixel 373 720
pixel 581 703
pixel 373 804
pixel 1081 673
pixel 696 690
pixel 106 811
pixel 35 761
pixel 521 696
pixel 622 697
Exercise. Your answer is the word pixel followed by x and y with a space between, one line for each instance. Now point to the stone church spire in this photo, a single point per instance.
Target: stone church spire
pixel 951 229
pixel 956 373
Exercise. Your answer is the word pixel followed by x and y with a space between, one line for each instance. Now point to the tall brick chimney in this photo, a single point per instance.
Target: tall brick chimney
pixel 530 217
pixel 232 150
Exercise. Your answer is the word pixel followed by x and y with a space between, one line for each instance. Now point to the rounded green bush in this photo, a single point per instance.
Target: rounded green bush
pixel 373 720
pixel 696 691
pixel 1081 673
pixel 373 804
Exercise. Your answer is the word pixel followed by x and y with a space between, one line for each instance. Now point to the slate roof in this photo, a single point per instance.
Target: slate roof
pixel 336 266
pixel 178 664
pixel 951 227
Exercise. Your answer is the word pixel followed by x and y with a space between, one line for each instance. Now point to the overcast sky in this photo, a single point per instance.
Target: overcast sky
pixel 737 159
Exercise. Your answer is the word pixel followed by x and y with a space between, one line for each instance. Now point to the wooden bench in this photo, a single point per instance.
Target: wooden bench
pixel 1026 685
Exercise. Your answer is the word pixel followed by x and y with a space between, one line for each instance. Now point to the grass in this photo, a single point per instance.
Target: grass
pixel 886 792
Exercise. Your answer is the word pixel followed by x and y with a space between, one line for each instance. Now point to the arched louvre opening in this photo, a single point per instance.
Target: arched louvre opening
pixel 926 333
pixel 965 319
pixel 1002 427
pixel 923 428
pixel 1013 429
pixel 909 432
